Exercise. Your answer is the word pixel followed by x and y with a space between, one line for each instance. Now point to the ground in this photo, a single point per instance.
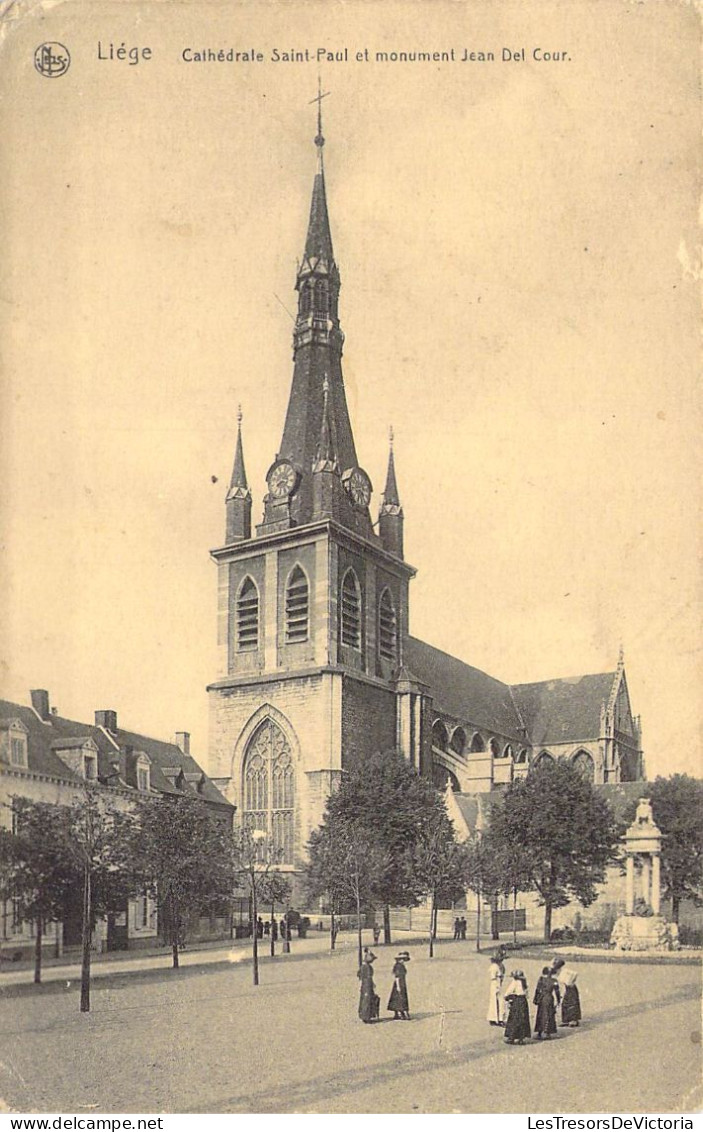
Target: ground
pixel 203 1039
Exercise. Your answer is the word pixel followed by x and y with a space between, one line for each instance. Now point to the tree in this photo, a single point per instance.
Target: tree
pixel 440 864
pixel 482 873
pixel 562 830
pixel 677 807
pixel 36 870
pixel 388 804
pixel 99 841
pixel 182 854
pixel 346 866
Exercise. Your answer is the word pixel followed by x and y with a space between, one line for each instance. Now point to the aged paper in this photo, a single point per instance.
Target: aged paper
pixel 512 191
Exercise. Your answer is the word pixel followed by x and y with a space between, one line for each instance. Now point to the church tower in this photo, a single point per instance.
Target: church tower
pixel 313 609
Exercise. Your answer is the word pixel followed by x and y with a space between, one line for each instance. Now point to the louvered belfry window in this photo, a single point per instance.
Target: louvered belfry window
pixel 269 791
pixel 351 610
pixel 297 607
pixel 387 627
pixel 248 616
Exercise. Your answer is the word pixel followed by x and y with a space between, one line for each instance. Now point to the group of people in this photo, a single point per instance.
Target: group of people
pixel 370 1002
pixel 270 928
pixel 460 928
pixel 556 985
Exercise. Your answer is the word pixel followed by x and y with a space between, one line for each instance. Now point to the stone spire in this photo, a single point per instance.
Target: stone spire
pixel 390 518
pixel 317 405
pixel 238 502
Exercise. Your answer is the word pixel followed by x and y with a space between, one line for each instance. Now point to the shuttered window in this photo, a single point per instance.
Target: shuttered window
pixel 297 607
pixel 248 616
pixel 351 610
pixel 387 644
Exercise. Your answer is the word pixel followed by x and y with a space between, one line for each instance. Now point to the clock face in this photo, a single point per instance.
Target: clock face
pixel 282 480
pixel 359 487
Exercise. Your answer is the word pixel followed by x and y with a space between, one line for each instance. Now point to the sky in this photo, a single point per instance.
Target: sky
pixel 519 299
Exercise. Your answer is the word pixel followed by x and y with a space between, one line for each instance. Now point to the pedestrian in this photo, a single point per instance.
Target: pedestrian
pixel 369 1001
pixel 398 1002
pixel 496 1003
pixel 267 927
pixel 462 930
pixel 274 930
pixel 259 928
pixel 376 933
pixel 457 928
pixel 546 1000
pixel 517 1028
pixel 571 999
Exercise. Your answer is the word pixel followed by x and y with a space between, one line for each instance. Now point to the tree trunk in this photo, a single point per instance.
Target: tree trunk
pixel 495 934
pixel 387 924
pixel 432 924
pixel 333 933
pixel 675 908
pixel 175 931
pixel 273 942
pixel 358 926
pixel 478 921
pixel 514 917
pixel 86 939
pixel 547 922
pixel 254 930
pixel 37 951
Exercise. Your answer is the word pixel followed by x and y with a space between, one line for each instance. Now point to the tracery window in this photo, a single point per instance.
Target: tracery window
pixel 387 627
pixel 248 616
pixel 583 763
pixel 269 791
pixel 297 607
pixel 351 610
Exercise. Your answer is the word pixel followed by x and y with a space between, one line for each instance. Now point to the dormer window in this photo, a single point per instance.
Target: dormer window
pixel 79 754
pixel 13 742
pixel 143 776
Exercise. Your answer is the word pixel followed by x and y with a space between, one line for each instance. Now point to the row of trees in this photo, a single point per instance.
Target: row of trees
pixel 176 851
pixel 386 840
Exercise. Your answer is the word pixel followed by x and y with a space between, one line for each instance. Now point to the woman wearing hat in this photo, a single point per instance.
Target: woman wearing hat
pixel 517 1028
pixel 571 1000
pixel 546 1000
pixel 496 1005
pixel 368 999
pixel 398 1002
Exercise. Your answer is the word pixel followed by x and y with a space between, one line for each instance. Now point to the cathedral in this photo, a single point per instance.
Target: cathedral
pixel 317 667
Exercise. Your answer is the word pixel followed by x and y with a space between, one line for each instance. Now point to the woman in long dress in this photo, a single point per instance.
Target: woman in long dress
pixel 517 1028
pixel 398 1002
pixel 570 998
pixel 496 1004
pixel 546 1000
pixel 368 999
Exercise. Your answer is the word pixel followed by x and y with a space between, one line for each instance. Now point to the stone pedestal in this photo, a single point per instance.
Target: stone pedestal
pixel 644 933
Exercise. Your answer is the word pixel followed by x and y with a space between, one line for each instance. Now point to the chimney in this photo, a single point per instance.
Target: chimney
pixel 40 702
pixel 107 719
pixel 183 741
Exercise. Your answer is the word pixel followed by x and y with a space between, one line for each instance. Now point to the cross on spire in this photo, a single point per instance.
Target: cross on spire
pixel 319 140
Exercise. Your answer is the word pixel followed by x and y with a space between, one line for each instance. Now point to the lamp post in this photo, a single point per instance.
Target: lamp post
pixel 257 836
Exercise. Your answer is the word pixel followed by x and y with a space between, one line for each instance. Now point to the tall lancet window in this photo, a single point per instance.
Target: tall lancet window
pixel 387 635
pixel 351 610
pixel 269 791
pixel 297 607
pixel 320 297
pixel 306 298
pixel 248 616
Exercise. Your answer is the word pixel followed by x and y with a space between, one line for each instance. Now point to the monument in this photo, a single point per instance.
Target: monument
pixel 643 928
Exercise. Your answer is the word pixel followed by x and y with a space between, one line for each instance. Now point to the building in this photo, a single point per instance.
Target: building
pixel 47 758
pixel 317 666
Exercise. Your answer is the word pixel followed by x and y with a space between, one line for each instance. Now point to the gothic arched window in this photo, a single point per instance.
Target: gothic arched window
pixel 351 610
pixel 306 299
pixel 320 297
pixel 477 743
pixel 248 616
pixel 543 759
pixel 297 607
pixel 584 764
pixel 269 790
pixel 386 627
pixel 522 756
pixel 508 752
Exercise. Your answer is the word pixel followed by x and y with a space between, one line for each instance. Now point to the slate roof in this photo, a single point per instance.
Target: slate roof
pixel 619 796
pixel 464 692
pixel 45 735
pixel 563 711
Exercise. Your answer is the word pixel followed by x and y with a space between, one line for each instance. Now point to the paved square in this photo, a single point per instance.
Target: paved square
pixel 204 1040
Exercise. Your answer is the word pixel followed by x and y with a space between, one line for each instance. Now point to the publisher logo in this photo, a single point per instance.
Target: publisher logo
pixel 52 60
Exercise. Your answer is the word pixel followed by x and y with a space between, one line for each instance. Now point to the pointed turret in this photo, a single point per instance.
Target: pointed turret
pixel 238 501
pixel 390 517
